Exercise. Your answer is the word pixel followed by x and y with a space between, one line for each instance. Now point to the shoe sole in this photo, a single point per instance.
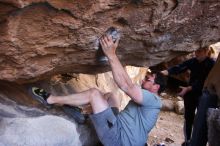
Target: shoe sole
pixel 38 98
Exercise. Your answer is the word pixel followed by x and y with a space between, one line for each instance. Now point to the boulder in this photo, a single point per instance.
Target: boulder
pixel 167 105
pixel 44 130
pixel 179 107
pixel 42 38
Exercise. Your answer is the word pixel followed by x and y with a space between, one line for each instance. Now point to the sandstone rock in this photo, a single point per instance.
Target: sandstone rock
pixel 167 105
pixel 179 107
pixel 169 140
pixel 164 95
pixel 25 122
pixel 41 38
pixel 179 98
pixel 44 130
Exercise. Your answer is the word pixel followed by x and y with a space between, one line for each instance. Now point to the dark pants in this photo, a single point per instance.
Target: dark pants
pixel 191 100
pixel 200 130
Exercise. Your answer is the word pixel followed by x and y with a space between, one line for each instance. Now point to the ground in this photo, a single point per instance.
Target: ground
pixel 168 130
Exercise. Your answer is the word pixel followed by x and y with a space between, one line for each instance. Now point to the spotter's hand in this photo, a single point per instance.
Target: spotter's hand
pixel 184 90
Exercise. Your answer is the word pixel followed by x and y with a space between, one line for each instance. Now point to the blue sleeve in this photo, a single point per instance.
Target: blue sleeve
pixel 180 68
pixel 151 100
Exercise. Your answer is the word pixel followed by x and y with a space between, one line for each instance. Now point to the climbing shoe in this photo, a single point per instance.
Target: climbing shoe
pixel 40 95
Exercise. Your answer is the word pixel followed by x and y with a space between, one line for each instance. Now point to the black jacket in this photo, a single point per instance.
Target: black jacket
pixel 198 71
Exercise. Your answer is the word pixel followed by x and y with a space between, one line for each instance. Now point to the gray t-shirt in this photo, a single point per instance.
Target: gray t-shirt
pixel 137 120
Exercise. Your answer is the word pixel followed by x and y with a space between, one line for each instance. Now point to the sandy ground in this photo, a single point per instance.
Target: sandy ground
pixel 168 130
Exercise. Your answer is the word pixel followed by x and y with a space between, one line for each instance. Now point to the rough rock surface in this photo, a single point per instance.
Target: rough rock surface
pixel 40 38
pixel 43 130
pixel 167 105
pixel 35 124
pixel 179 107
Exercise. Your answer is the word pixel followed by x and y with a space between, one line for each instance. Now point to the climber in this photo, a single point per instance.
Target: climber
pixel 128 127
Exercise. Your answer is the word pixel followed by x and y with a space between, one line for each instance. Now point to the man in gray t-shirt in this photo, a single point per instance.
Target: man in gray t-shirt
pixel 139 119
pixel 131 126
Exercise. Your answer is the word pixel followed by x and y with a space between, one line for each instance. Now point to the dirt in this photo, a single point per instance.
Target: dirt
pixel 168 130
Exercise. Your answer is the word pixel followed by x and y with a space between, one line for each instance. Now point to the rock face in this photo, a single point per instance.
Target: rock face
pixel 179 107
pixel 25 122
pixel 44 130
pixel 167 105
pixel 41 38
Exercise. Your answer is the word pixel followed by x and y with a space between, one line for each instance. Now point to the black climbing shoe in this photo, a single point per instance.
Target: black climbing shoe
pixel 74 112
pixel 40 95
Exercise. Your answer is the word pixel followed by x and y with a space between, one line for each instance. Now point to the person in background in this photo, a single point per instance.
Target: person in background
pixel 199 67
pixel 209 99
